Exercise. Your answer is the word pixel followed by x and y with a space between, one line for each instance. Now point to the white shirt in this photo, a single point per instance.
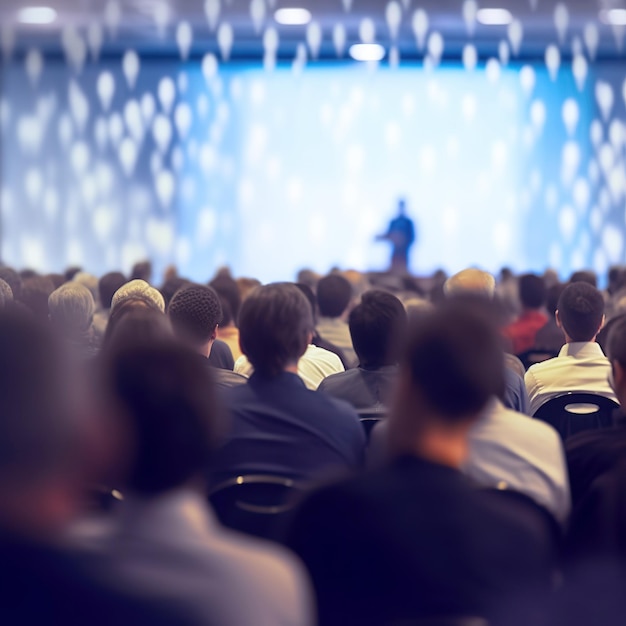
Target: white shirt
pixel 336 331
pixel 315 365
pixel 173 547
pixel 580 367
pixel 506 447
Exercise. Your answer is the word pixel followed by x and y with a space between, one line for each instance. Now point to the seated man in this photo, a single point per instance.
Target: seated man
pixel 581 365
pixel 195 312
pixel 377 326
pixel 107 286
pixel 523 331
pixel 334 298
pixel 278 425
pixel 414 540
pixel 550 338
pixel 166 541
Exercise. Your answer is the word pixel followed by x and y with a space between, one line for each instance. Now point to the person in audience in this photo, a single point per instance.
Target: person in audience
pixel 334 300
pixel 167 541
pixel 142 271
pixel 148 322
pixel 507 291
pixel 12 278
pixel 138 289
pixel 550 338
pixel 279 426
pixel 581 365
pixel 246 285
pixel 228 292
pixel 34 296
pixel 522 332
pixel 6 294
pixel 584 276
pixel 618 311
pixel 58 280
pixel 107 286
pixel 482 285
pixel 171 286
pixel 377 327
pixel 413 539
pixel 195 313
pixel 591 454
pixel 91 282
pixel 72 308
pixel 40 495
pixel 71 271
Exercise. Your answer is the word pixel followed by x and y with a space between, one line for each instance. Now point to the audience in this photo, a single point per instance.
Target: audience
pixel 195 313
pixel 550 338
pixel 228 292
pixel 523 331
pixel 377 326
pixel 6 294
pixel 34 294
pixel 279 426
pixel 334 300
pixel 12 278
pixel 140 290
pixel 107 286
pixel 166 542
pixel 581 365
pixel 414 540
pixel 72 308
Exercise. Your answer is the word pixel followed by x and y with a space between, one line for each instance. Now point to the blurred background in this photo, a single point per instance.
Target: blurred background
pixel 272 135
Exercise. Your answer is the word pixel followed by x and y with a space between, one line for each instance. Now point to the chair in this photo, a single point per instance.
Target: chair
pixel 369 418
pixel 255 504
pixel 572 413
pixel 532 357
pixel 443 621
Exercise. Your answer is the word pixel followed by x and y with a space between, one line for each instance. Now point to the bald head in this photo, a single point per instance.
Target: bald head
pixel 471 281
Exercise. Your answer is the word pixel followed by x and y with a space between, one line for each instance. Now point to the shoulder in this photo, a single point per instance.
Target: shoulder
pixel 315 353
pixel 338 380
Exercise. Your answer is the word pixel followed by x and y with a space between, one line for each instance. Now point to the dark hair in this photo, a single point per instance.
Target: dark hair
pixel 169 399
pixel 195 312
pixel 616 342
pixel 532 291
pixel 108 285
pixel 455 359
pixel 274 325
pixel 58 280
pixel 584 276
pixel 552 297
pixel 37 428
pixel 134 319
pixel 12 278
pixel 172 286
pixel 310 296
pixel 230 298
pixel 334 293
pixel 581 309
pixel 141 271
pixel 70 272
pixel 34 296
pixel 377 325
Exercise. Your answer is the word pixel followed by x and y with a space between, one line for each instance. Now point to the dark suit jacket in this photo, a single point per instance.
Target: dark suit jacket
pixel 409 541
pixel 221 356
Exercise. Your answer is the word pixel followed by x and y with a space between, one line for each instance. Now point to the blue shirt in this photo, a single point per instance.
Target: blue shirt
pixel 280 427
pixel 515 394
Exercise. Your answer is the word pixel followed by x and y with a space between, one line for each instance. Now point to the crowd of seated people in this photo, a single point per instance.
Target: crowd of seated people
pixel 406 411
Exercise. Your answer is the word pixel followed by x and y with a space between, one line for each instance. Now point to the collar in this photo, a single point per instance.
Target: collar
pixel 385 369
pixel 582 350
pixel 287 379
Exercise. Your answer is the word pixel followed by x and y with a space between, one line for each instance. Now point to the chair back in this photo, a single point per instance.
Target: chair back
pixel 255 504
pixel 572 413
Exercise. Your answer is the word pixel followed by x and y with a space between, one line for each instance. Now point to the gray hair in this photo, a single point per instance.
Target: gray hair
pixel 138 289
pixel 6 293
pixel 72 307
pixel 90 281
pixel 471 281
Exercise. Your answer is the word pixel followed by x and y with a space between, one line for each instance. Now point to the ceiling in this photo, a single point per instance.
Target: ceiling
pixel 138 26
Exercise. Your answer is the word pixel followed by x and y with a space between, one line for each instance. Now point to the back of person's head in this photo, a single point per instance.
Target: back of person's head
pixel 454 362
pixel 70 272
pixel 310 296
pixel 135 319
pixel 230 298
pixel 377 327
pixel 581 311
pixel 552 297
pixel 532 291
pixel 275 325
pixel 34 296
pixel 138 290
pixel 72 308
pixel 616 342
pixel 169 401
pixel 246 285
pixel 195 313
pixel 584 276
pixel 108 285
pixel 90 281
pixel 6 294
pixel 57 279
pixel 13 279
pixel 172 286
pixel 38 429
pixel 334 294
pixel 142 271
pixel 471 281
pixel 309 278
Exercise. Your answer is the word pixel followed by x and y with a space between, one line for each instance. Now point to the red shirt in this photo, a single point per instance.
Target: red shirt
pixel 523 330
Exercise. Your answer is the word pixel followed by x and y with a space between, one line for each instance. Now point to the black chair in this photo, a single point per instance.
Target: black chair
pixel 369 419
pixel 255 504
pixel 443 621
pixel 572 413
pixel 532 357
